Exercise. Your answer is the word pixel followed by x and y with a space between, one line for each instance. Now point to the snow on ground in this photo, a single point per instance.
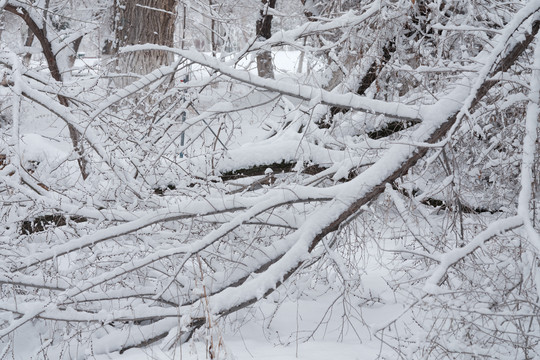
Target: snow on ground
pixel 284 337
pixel 248 349
pixel 316 326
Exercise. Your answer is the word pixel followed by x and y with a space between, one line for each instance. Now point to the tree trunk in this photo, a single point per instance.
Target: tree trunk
pixel 263 29
pixel 28 43
pixel 144 22
pixel 213 44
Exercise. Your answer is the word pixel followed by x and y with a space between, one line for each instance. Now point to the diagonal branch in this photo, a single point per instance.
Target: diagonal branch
pixel 303 92
pixel 365 188
pixel 52 63
pixel 439 119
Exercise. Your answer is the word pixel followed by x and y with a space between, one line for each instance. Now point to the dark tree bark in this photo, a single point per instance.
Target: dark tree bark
pixel 213 44
pixel 144 22
pixel 28 43
pixel 371 76
pixel 263 30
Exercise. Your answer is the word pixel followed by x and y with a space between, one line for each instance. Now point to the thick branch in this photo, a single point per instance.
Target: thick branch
pixel 42 222
pixel 52 63
pixel 276 168
pixel 505 63
pixel 304 92
pixel 42 37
